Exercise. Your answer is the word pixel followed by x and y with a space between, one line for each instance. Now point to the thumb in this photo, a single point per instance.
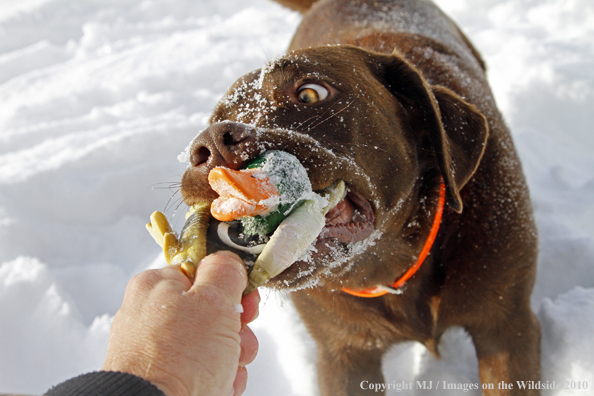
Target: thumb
pixel 223 270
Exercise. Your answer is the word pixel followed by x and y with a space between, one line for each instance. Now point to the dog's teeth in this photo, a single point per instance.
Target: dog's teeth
pixel 334 194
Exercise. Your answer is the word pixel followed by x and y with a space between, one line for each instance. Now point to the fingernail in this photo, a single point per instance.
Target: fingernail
pixel 258 295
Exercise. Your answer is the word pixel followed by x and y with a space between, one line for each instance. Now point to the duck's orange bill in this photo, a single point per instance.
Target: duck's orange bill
pixel 245 192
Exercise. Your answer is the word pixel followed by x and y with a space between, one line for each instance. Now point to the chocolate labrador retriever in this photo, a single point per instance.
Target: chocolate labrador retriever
pixel 437 227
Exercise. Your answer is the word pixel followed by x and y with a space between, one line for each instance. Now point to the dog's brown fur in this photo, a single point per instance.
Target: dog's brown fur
pixel 409 105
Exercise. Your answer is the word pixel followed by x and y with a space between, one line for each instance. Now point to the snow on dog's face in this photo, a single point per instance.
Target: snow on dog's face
pixel 352 115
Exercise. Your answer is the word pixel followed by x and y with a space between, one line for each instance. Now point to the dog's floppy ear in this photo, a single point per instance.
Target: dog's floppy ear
pixel 463 138
pixel 457 130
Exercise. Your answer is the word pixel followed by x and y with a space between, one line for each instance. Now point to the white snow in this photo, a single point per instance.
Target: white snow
pixel 98 98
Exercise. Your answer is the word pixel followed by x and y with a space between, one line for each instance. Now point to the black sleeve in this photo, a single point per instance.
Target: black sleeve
pixel 104 383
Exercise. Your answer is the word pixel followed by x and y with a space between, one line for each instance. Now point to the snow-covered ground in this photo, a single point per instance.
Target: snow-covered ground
pixel 97 98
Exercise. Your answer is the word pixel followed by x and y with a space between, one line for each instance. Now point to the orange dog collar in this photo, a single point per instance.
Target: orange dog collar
pixel 396 287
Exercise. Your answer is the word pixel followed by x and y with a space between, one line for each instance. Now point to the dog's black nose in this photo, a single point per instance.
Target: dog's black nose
pixel 222 144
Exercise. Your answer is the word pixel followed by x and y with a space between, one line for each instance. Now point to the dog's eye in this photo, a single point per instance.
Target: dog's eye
pixel 312 93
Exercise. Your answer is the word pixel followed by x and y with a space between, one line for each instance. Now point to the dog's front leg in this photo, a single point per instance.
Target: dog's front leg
pixel 350 350
pixel 509 357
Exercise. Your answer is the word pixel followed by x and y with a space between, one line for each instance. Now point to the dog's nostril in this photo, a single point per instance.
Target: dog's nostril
pixel 228 139
pixel 200 156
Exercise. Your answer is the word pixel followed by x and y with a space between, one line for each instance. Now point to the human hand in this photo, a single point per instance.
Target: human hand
pixel 187 339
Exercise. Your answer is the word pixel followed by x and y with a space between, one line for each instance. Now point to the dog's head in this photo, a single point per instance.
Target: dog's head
pixel 348 114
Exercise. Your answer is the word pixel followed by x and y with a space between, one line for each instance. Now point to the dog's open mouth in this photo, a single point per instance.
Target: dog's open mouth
pixel 351 220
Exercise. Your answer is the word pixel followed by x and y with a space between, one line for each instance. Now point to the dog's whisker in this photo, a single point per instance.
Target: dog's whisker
pixel 373 147
pixel 314 118
pixel 166 186
pixel 170 200
pixel 320 116
pixel 309 119
pixel 180 202
pixel 333 115
pixel 264 51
